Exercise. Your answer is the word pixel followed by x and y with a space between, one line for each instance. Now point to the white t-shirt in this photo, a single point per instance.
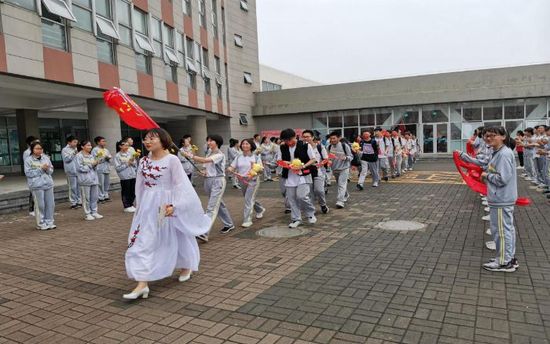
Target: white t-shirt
pixel 243 163
pixel 216 168
pixel 382 148
pixel 294 179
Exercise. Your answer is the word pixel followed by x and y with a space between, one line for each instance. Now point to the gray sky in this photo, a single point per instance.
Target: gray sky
pixel 334 41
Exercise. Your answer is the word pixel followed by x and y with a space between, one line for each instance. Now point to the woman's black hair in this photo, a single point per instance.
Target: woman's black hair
pixel 98 138
pixel 250 142
pixel 287 134
pixel 83 143
pixel 120 143
pixel 34 144
pixel 233 142
pixel 30 139
pixel 529 130
pixel 70 138
pixel 273 139
pixel 520 133
pixel 185 137
pixel 218 139
pixel 480 132
pixel 164 137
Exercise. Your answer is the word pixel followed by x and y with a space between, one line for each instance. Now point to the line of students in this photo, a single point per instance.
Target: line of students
pixel 534 146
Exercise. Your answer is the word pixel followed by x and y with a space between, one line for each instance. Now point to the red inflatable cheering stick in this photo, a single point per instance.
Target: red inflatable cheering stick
pixel 471 174
pixel 131 113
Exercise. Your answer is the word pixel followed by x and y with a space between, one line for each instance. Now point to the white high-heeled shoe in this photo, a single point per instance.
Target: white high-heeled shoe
pixel 184 278
pixel 143 293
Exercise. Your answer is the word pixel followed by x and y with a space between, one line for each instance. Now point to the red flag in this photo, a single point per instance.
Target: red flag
pixel 131 113
pixel 470 149
pixel 471 174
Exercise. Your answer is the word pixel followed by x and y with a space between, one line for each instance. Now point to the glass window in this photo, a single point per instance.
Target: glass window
pixel 124 24
pixel 456 113
pixel 367 117
pixel 320 120
pixel 156 33
pixel 105 49
pixel 456 131
pixel 4 144
pixel 58 8
pixel 143 63
pixel 190 50
pixel 513 109
pixel 471 114
pixel 82 10
pixel 492 111
pixel 335 119
pixel 103 8
pixel 351 133
pixel 435 113
pixel 202 13
pixel 218 65
pixel 351 118
pixel 171 73
pixel 512 127
pixel 215 18
pixel 404 116
pixel 106 27
pixel 383 118
pixel 269 86
pixel 220 90
pixel 535 108
pixel 54 32
pixel 50 136
pixel 205 59
pixel 197 53
pixel 187 7
pixel 28 4
pixel 192 80
pixel 168 36
pixel 244 5
pixel 247 78
pixel 239 40
pixel 140 22
pixel 207 87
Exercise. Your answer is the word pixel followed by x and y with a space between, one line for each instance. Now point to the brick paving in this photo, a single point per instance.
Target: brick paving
pixel 344 282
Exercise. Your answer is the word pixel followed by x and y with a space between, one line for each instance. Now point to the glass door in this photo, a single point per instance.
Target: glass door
pixel 428 134
pixel 436 138
pixel 442 137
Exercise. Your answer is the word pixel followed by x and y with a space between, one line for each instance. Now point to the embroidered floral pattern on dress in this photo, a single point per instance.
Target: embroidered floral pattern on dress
pixel 134 237
pixel 150 172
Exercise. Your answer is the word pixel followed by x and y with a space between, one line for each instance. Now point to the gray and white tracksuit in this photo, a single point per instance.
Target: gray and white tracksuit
pixel 88 182
pixel 502 193
pixel 242 164
pixel 69 165
pixel 540 161
pixel 383 161
pixel 26 154
pixel 529 158
pixel 267 155
pixel 232 153
pixel 340 169
pixel 318 189
pixel 41 185
pixel 125 165
pixel 185 163
pixel 397 143
pixel 214 186
pixel 483 156
pixel 103 171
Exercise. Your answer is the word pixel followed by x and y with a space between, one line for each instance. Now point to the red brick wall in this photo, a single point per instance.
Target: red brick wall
pixel 108 75
pixel 58 65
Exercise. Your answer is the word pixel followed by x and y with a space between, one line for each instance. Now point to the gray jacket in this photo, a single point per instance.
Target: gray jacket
pixel 340 150
pixel 104 165
pixel 482 158
pixel 69 160
pixel 502 188
pixel 125 166
pixel 37 178
pixel 86 171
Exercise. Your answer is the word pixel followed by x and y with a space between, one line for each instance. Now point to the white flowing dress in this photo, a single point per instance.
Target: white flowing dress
pixel 157 245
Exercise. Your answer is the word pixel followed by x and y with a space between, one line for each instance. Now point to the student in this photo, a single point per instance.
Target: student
pixel 340 166
pixel 540 160
pixel 299 179
pixel 86 166
pixel 186 146
pixel 68 153
pixel 39 169
pixel 412 149
pixel 397 143
pixel 282 180
pixel 257 140
pixel 318 186
pixel 519 147
pixel 130 142
pixel 126 168
pixel 383 149
pixel 266 151
pixel 502 193
pixel 232 153
pixel 529 154
pixel 369 160
pixel 242 166
pixel 168 217
pixel 102 154
pixel 214 185
pixel 26 154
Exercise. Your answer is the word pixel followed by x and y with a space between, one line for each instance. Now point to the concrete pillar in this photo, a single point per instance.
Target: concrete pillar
pixel 103 121
pixel 27 125
pixel 194 126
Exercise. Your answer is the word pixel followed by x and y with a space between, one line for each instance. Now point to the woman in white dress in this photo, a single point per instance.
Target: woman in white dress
pixel 169 216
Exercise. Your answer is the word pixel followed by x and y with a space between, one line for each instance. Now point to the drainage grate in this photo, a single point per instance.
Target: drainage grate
pixel 282 232
pixel 400 225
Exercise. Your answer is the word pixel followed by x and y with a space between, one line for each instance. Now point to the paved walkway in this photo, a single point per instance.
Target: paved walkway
pixel 344 282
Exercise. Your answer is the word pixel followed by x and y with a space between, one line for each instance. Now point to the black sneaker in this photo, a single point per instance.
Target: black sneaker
pixel 515 263
pixel 74 206
pixel 324 209
pixel 79 205
pixel 203 238
pixel 107 199
pixel 227 229
pixel 386 179
pixel 360 187
pixel 288 211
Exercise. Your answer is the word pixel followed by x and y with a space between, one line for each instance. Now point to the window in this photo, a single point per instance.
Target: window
pixel 202 13
pixel 103 8
pixel 247 78
pixel 192 80
pixel 124 22
pixel 181 47
pixel 171 72
pixel 239 40
pixel 54 30
pixel 82 10
pixel 218 65
pixel 205 59
pixel 223 26
pixel 28 4
pixel 143 63
pixel 215 18
pixel 436 113
pixel 513 109
pixel 244 5
pixel 243 119
pixel 207 87
pixel 190 48
pixel 220 89
pixel 170 53
pixel 156 33
pixel 269 86
pixel 197 53
pixel 105 49
pixel 58 8
pixel 143 46
pixel 104 19
pixel 187 7
pixel 190 63
pixel 492 111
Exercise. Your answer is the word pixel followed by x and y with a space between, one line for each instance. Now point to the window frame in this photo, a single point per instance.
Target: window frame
pixel 244 5
pixel 60 21
pixel 248 78
pixel 238 39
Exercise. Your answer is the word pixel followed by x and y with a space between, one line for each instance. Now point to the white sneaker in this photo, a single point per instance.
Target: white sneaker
pixel 32 213
pixel 260 214
pixel 312 220
pixel 97 216
pixel 184 278
pixel 294 224
pixel 487 209
pixel 485 203
pixel 483 198
pixel 488 231
pixel 528 179
pixel 89 218
pixel 130 210
pixel 491 245
pixel 43 227
pixel 246 224
pixel 486 218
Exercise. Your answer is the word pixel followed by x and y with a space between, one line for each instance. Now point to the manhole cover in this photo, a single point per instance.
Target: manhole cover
pixel 400 225
pixel 282 232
